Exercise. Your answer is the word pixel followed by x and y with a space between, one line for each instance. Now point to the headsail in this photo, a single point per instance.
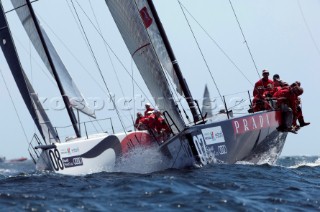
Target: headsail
pixel 127 17
pixel 36 111
pixel 75 98
pixel 48 132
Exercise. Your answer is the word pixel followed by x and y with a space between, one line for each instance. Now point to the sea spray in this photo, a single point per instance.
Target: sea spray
pixel 143 160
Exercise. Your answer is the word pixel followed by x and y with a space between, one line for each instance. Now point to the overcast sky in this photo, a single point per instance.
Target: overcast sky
pixel 283 36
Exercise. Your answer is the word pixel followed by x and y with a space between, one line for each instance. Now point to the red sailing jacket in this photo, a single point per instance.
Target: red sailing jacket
pixel 147 110
pixel 285 96
pixel 261 86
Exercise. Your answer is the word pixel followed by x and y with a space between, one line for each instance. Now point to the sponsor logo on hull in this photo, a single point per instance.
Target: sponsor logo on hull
pixel 256 122
pixel 72 161
pixel 69 151
pixel 213 135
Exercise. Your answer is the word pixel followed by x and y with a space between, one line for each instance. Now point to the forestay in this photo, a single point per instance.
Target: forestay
pixel 75 98
pixel 147 52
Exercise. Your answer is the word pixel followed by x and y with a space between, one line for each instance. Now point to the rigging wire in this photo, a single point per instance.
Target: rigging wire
pixel 245 40
pixel 308 28
pixel 98 67
pixel 110 59
pixel 113 52
pixel 70 52
pixel 14 106
pixel 113 67
pixel 107 45
pixel 112 64
pixel 165 72
pixel 205 61
pixel 33 58
pixel 31 72
pixel 219 47
pixel 133 90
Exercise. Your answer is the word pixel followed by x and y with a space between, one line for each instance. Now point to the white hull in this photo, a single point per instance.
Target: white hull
pixel 223 142
pixel 90 155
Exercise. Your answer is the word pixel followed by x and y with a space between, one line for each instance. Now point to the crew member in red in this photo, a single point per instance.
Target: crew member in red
pixel 148 109
pixel 300 117
pixel 289 96
pixel 259 103
pixel 161 125
pixel 139 118
pixel 262 84
pixel 162 129
pixel 278 84
pixel 145 122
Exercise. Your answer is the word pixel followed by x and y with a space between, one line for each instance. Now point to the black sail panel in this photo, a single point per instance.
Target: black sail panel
pixel 71 90
pixel 10 53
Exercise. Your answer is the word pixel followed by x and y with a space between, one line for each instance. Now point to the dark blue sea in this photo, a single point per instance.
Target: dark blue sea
pixel 293 184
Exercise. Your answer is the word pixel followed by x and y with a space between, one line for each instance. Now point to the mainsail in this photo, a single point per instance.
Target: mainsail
pixel 75 98
pixel 127 17
pixel 31 100
pixel 157 41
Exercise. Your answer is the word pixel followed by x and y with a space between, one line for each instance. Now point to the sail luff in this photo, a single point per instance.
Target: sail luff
pixel 182 81
pixel 130 24
pixel 56 76
pixel 75 97
pixel 48 131
pixel 12 58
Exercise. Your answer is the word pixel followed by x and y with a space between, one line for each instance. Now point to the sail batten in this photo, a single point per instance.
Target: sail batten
pixel 76 99
pixel 157 41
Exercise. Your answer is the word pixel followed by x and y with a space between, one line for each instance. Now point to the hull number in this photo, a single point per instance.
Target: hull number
pixel 201 148
pixel 55 159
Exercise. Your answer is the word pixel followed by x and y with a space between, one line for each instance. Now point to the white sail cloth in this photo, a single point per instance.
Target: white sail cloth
pixel 206 103
pixel 75 98
pixel 127 16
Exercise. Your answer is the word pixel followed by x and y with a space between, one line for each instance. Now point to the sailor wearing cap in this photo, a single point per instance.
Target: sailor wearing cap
pixel 277 82
pixel 148 109
pixel 262 84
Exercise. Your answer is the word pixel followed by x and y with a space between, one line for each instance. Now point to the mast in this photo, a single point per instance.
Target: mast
pixel 175 64
pixel 56 76
pixel 34 107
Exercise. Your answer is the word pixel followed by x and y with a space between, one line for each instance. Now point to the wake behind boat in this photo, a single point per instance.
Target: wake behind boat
pixel 253 137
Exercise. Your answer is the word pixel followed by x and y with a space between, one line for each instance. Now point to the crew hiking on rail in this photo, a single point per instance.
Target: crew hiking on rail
pixel 154 122
pixel 286 96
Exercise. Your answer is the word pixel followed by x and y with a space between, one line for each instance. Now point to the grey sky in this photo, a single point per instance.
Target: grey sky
pixel 281 39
